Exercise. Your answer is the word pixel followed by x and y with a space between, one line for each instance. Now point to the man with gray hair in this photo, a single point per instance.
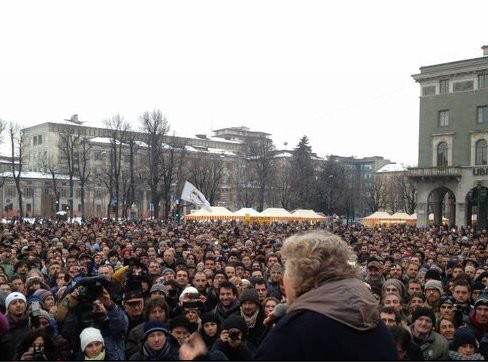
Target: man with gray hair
pixel 331 313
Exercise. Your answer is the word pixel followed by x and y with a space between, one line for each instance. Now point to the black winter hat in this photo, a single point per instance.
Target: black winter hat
pixel 433 274
pixel 180 321
pixel 235 321
pixel 249 295
pixel 423 312
pixel 462 336
pixel 483 299
pixel 210 317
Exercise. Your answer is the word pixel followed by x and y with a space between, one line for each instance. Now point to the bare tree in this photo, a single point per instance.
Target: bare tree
pixel 17 139
pixel 375 197
pixel 116 130
pixel 303 175
pixel 154 126
pixel 245 184
pixel 260 157
pixel 206 172
pixel 283 183
pixel 68 144
pixel 408 189
pixel 171 166
pixel 84 173
pixel 52 167
pixel 331 195
pixel 129 180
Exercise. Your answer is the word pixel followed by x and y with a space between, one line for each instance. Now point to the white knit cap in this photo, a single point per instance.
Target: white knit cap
pixel 14 296
pixel 89 335
pixel 188 290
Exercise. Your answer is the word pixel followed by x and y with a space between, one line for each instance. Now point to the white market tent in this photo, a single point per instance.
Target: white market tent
pixel 217 213
pixel 246 210
pixel 378 217
pixel 276 214
pixel 307 215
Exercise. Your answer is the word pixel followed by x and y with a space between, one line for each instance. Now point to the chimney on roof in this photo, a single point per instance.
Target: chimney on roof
pixel 485 50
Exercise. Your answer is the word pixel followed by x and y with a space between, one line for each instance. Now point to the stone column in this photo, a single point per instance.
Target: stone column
pixel 422 215
pixel 461 214
pixel 438 212
pixel 452 212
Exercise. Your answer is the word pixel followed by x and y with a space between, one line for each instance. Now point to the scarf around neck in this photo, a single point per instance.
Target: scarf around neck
pixel 250 321
pixel 99 357
pixel 153 355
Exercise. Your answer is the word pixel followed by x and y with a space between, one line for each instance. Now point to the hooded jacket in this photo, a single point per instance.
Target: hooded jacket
pixel 337 320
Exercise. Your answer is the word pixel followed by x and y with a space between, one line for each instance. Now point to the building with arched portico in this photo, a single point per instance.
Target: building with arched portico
pixel 452 173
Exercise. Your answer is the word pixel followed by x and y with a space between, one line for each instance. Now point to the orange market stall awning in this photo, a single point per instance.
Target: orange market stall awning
pixel 217 213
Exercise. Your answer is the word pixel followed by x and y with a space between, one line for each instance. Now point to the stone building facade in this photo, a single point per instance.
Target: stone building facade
pixel 452 174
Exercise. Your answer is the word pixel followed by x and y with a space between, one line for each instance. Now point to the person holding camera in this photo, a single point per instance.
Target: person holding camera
pixel 37 346
pixel 90 305
pixel 232 342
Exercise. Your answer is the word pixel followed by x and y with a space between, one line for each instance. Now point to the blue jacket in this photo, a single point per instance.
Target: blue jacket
pixel 113 328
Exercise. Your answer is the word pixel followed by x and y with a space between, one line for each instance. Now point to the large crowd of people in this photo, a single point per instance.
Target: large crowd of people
pixel 154 290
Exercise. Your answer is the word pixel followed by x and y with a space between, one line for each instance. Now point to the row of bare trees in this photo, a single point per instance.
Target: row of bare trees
pixel 150 158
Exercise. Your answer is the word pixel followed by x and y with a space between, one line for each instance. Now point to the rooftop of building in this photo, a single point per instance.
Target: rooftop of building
pixel 393 167
pixel 456 67
pixel 37 175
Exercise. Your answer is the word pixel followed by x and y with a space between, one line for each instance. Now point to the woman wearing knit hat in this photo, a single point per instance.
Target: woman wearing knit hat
pixel 465 346
pixel 92 345
pixel 156 345
pixel 210 329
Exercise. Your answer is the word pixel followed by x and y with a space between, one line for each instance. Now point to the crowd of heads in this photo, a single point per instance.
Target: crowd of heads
pixel 142 289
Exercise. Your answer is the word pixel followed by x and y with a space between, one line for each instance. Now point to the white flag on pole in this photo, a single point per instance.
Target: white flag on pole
pixel 191 194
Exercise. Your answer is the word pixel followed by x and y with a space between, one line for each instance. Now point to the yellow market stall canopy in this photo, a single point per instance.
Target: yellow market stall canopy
pixel 251 215
pixel 217 213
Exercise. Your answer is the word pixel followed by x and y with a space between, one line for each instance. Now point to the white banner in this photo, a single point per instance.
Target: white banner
pixel 191 194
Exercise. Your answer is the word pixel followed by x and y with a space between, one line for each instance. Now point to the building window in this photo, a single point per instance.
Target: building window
pixel 428 90
pixel 444 86
pixel 10 191
pixel 463 86
pixel 28 192
pixel 98 155
pixel 442 150
pixel 483 81
pixel 64 192
pixel 39 140
pixel 34 140
pixel 482 114
pixel 443 118
pixel 28 207
pixel 480 152
pixel 98 193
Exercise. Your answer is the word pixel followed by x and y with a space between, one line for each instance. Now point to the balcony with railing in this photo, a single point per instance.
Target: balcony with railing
pixel 449 171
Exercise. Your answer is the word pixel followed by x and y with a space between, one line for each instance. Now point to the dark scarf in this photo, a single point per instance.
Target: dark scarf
pixel 153 355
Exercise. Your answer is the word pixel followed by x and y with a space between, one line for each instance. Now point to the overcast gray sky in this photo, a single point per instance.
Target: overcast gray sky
pixel 336 71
